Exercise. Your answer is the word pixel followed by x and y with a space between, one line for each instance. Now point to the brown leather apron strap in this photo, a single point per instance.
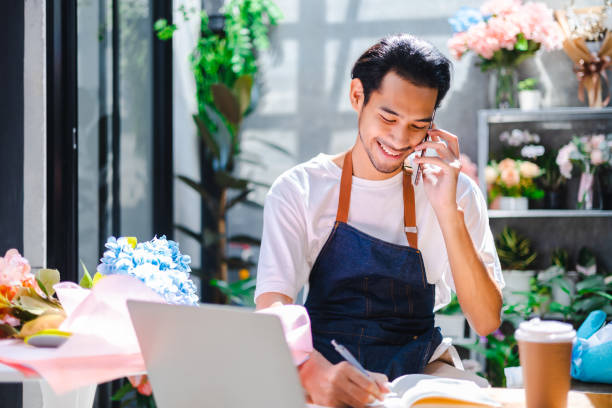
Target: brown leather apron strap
pixel 345 188
pixel 409 212
pixel 344 200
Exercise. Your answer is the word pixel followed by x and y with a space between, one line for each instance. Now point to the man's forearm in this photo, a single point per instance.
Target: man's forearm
pixel 478 294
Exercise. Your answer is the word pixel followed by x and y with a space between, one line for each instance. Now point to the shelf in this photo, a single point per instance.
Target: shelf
pixel 543 115
pixel 549 213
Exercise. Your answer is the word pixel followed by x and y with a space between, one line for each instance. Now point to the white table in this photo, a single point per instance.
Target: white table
pixel 38 394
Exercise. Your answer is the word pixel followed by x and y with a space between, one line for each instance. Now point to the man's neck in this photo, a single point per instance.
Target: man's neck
pixel 363 167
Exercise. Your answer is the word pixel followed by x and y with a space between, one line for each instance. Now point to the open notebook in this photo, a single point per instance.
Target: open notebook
pixel 419 390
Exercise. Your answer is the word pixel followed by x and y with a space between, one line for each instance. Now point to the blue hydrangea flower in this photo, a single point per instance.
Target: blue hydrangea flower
pixel 157 263
pixel 465 18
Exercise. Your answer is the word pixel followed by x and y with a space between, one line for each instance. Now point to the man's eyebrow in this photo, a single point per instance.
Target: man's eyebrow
pixel 392 112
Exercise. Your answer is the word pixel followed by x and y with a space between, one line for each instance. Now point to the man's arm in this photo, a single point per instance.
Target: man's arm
pixel 325 383
pixel 478 293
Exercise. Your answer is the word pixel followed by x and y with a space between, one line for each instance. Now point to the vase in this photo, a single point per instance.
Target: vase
pixel 589 191
pixel 513 203
pixel 530 100
pixel 516 281
pixel 553 200
pixel 605 183
pixel 502 88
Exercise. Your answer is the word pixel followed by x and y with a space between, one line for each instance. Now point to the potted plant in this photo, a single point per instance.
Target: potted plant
pixel 512 181
pixel 225 64
pixel 530 97
pixel 552 181
pixel 516 256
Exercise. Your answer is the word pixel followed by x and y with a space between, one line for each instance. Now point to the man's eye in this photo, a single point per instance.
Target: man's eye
pixel 419 128
pixel 386 120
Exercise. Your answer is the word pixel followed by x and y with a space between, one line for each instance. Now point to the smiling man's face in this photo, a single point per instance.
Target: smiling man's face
pixel 394 121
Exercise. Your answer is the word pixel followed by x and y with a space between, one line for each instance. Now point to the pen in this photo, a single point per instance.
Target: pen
pixel 419 169
pixel 343 351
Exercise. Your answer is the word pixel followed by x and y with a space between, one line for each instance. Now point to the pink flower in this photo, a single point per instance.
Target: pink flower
pixel 142 384
pixel 510 176
pixel 597 157
pixel 14 269
pixel 457 45
pixel 506 164
pixel 597 141
pixel 563 160
pixel 10 320
pixel 497 7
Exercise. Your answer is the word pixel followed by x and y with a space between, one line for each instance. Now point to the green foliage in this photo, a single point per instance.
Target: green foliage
pixel 528 84
pixel 452 308
pixel 560 258
pixel 225 68
pixel 551 180
pixel 130 397
pixel 514 251
pixel 241 292
pixel 523 49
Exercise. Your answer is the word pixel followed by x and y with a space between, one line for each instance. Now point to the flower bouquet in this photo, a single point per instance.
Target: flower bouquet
pixel 503 33
pixel 588 153
pixel 512 181
pixel 27 302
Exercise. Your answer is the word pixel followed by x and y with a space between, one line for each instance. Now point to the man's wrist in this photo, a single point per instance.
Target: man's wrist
pixel 449 216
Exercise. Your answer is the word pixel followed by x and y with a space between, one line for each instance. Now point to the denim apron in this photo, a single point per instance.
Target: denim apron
pixel 373 296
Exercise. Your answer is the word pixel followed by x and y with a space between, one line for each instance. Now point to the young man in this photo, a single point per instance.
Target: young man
pixel 381 247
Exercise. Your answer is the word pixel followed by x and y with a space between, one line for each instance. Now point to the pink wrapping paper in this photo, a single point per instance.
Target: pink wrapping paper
pixel 296 325
pixel 103 346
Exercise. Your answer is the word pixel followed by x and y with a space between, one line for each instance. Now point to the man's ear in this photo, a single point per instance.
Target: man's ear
pixel 356 94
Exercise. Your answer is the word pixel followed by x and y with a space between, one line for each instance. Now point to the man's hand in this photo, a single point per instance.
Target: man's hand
pixel 440 173
pixel 340 385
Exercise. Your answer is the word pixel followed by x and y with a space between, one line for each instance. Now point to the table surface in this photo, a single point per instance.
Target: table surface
pixel 583 395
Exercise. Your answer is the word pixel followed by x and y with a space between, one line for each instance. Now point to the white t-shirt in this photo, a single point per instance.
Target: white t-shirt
pixel 300 211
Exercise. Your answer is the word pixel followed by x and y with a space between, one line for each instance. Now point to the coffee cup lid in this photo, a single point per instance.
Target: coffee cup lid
pixel 548 331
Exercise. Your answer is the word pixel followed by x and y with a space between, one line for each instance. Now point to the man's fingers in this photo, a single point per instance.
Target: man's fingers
pixel 381 380
pixel 451 139
pixel 360 380
pixel 441 148
pixel 436 161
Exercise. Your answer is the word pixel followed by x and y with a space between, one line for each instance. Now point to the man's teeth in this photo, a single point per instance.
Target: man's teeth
pixel 390 153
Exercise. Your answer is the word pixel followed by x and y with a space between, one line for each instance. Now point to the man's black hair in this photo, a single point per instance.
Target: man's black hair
pixel 411 58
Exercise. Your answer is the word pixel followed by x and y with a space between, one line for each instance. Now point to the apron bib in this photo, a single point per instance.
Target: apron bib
pixel 372 296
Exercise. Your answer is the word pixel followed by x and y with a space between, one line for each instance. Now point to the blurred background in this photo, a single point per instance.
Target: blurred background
pixel 156 117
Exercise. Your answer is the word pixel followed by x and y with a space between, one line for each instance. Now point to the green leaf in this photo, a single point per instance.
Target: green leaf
pixel 86 281
pixel 590 304
pixel 226 180
pixel 42 287
pixel 595 282
pixel 221 136
pixel 121 392
pixel 226 103
pixel 209 141
pixel 521 43
pixel 242 87
pixel 48 278
pixel 200 189
pixel 245 239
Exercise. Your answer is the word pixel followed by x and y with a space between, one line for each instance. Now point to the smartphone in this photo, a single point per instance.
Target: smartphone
pixel 419 169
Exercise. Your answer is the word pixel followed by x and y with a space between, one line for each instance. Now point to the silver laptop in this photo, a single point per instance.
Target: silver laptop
pixel 215 356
